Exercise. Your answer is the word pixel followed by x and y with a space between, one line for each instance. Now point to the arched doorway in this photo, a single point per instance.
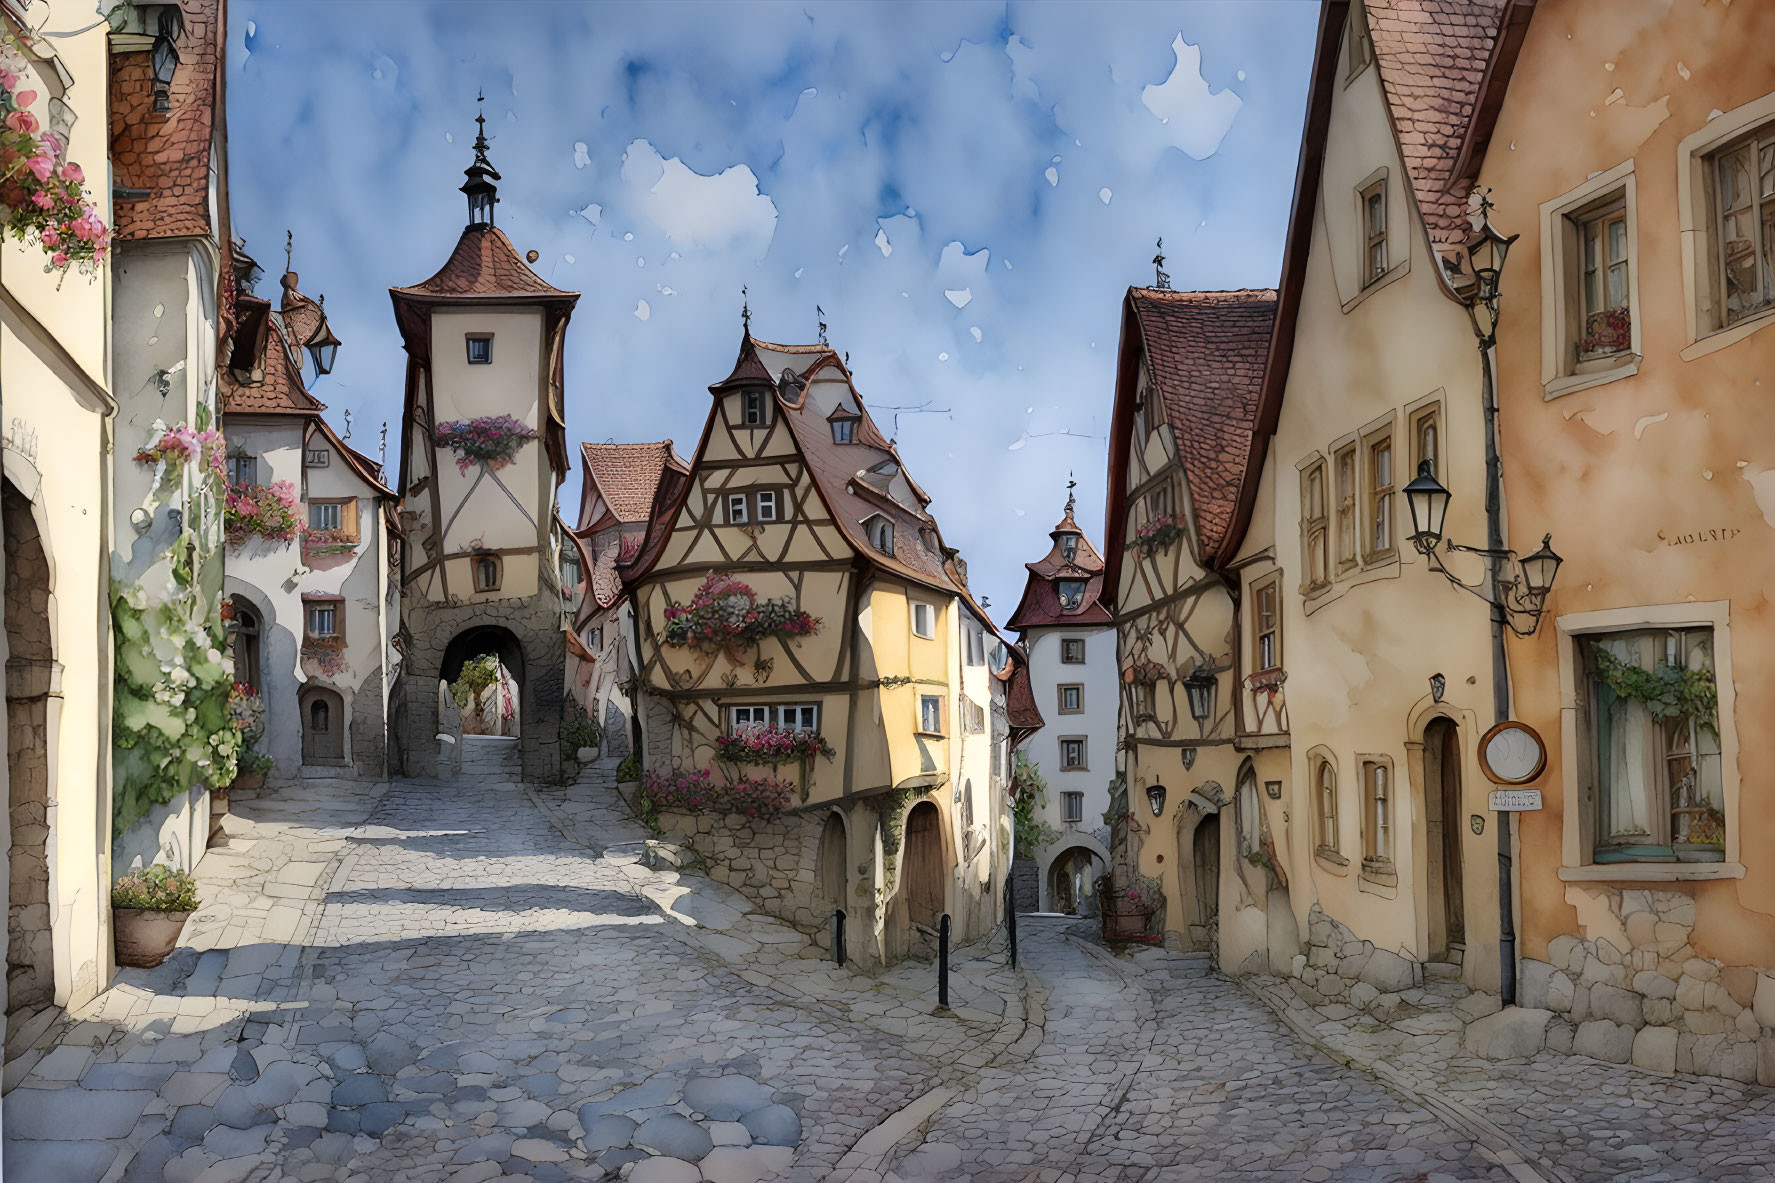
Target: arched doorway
pixel 1071 880
pixel 1205 862
pixel 1443 815
pixel 323 726
pixel 831 866
pixel 924 870
pixel 246 632
pixel 482 671
pixel 30 667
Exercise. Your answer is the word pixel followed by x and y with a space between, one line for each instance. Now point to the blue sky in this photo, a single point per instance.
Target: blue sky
pixel 965 189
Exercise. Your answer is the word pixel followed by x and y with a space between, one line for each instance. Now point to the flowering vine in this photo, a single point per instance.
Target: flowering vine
pixel 43 200
pixel 724 613
pixel 174 448
pixel 492 440
pixel 268 511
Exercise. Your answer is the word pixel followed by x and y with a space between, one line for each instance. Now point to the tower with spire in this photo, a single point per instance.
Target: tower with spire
pixel 1069 635
pixel 483 453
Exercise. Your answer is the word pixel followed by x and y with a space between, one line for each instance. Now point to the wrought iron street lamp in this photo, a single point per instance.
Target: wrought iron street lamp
pixel 323 347
pixel 1199 686
pixel 1155 797
pixel 164 58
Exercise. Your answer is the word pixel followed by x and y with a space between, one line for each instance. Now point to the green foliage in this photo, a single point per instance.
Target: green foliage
pixel 252 761
pixel 1030 793
pixel 159 888
pixel 630 768
pixel 172 729
pixel 1666 692
pixel 474 679
pixel 580 732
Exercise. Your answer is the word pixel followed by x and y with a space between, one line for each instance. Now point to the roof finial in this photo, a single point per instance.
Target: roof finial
pixel 382 449
pixel 746 309
pixel 820 316
pixel 480 122
pixel 1164 277
pixel 347 434
pixel 289 247
pixel 482 196
pixel 1070 486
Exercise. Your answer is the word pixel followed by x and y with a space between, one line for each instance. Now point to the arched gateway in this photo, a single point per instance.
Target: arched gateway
pixel 483 451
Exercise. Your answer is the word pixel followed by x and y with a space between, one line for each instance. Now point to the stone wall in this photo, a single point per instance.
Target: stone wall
pixel 1340 966
pixel 1635 991
pixel 1026 882
pixel 774 864
pixel 369 729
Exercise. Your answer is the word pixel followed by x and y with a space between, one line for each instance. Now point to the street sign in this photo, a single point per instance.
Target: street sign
pixel 1515 800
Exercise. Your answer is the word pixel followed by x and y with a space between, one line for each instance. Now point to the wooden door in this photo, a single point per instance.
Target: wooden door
pixel 924 868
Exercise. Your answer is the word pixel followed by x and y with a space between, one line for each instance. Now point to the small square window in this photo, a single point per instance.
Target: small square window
pixel 924 620
pixel 801 717
pixel 480 349
pixel 324 515
pixel 930 714
pixel 1072 807
pixel 316 458
pixel 1072 650
pixel 323 620
pixel 843 430
pixel 736 509
pixel 1072 754
pixel 243 470
pixel 750 716
pixel 486 573
pixel 767 506
pixel 1072 698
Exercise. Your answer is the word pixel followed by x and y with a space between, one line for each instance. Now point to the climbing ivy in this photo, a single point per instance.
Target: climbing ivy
pixel 1029 793
pixel 1667 692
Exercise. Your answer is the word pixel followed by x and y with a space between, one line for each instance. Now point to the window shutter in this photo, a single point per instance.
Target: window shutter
pixel 348 518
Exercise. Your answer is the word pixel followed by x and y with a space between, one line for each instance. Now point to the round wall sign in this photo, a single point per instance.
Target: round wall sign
pixel 1512 753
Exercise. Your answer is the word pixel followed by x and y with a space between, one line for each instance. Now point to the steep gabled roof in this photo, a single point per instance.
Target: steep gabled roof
pixel 1021 711
pixel 282 392
pixel 367 469
pixel 628 475
pixel 166 154
pixel 486 266
pixel 1040 605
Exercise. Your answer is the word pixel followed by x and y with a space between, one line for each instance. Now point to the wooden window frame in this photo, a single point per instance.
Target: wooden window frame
pixel 349 521
pixel 1369 236
pixel 1060 690
pixel 1564 222
pixel 1315 528
pixel 251 461
pixel 1346 508
pixel 1377 495
pixel 1760 211
pixel 474 572
pixel 1591 227
pixel 942 702
pixel 1327 819
pixel 468 346
pixel 1429 415
pixel 747 406
pixel 1064 642
pixel 912 612
pixel 1271 584
pixel 1084 762
pixel 1068 814
pixel 1380 818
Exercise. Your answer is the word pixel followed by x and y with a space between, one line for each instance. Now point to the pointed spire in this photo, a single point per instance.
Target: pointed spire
pixel 1070 498
pixel 745 310
pixel 1163 282
pixel 289 247
pixel 482 194
pixel 820 317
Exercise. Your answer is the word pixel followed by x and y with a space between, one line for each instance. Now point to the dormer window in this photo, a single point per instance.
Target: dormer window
pixel 753 409
pixel 1072 593
pixel 881 535
pixel 480 349
pixel 1069 547
pixel 843 430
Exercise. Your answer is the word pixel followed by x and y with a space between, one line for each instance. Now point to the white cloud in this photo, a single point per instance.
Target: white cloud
pixel 581 157
pixel 881 240
pixel 1196 118
pixel 722 211
pixel 643 310
pixel 960 299
pixel 1104 195
pixel 1053 175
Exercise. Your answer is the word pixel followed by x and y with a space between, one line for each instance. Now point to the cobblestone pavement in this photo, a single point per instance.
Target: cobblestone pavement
pixel 473 981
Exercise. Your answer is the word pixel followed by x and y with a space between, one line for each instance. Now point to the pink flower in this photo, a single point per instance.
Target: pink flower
pixel 83 227
pixel 41 167
pixel 24 98
pixel 22 121
pixel 73 172
pixel 53 144
pixel 60 258
pixel 51 236
pixel 8 80
pixel 40 199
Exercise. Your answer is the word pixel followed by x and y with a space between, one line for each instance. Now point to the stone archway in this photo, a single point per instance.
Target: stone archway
pixel 30 681
pixel 323 726
pixel 489 641
pixel 1072 876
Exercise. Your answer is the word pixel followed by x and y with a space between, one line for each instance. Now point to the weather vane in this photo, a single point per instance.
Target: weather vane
pixel 746 309
pixel 289 247
pixel 820 315
pixel 382 448
pixel 1164 280
pixel 1070 486
pixel 347 434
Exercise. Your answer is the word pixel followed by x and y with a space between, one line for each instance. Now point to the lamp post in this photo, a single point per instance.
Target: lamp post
pixel 1155 797
pixel 163 59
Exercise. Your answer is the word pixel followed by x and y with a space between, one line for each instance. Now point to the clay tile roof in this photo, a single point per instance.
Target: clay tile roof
pixel 748 369
pixel 485 264
pixel 1021 711
pixel 628 475
pixel 282 391
pixel 1040 604
pixel 167 152
pixel 1205 354
pixel 1432 56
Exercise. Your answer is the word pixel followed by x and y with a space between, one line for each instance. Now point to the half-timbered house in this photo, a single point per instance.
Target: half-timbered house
pixel 800 585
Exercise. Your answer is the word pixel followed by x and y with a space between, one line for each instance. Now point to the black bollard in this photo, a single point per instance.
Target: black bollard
pixel 838 935
pixel 1011 917
pixel 943 961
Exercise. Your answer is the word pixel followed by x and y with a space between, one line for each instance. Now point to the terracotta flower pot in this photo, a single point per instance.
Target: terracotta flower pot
pixel 145 936
pixel 248 780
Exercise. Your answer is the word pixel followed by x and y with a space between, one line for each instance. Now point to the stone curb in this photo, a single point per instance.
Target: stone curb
pixel 1523 1162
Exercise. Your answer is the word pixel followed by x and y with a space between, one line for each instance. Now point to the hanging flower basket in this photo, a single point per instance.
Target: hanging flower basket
pixel 42 198
pixel 760 799
pixel 492 440
pixel 1156 535
pixel 764 743
pixel 320 544
pixel 725 614
pixel 173 448
pixel 265 511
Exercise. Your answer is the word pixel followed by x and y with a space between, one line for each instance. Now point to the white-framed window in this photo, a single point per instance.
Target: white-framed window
pixel 737 514
pixel 1072 650
pixel 570 571
pixel 924 619
pixel 1072 754
pixel 754 409
pixel 881 535
pixel 325 515
pixel 767 505
pixel 1072 698
pixel 1377 814
pixel 243 470
pixel 976 645
pixel 1071 592
pixel 799 716
pixel 1744 224
pixel 480 349
pixel 930 713
pixel 1072 807
pixel 1373 204
pixel 1266 623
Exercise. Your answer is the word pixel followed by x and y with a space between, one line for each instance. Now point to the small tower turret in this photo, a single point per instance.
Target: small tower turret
pixel 483 195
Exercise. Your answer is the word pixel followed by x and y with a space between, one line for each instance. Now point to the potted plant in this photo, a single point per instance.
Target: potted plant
pixel 148 911
pixel 1128 911
pixel 250 772
pixel 580 738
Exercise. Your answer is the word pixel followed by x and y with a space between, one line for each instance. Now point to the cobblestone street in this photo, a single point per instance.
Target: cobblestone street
pixel 473 981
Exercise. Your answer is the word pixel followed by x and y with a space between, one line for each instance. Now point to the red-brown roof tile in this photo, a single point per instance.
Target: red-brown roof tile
pixel 1040 605
pixel 168 152
pixel 1205 354
pixel 281 393
pixel 628 475
pixel 1432 56
pixel 485 264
